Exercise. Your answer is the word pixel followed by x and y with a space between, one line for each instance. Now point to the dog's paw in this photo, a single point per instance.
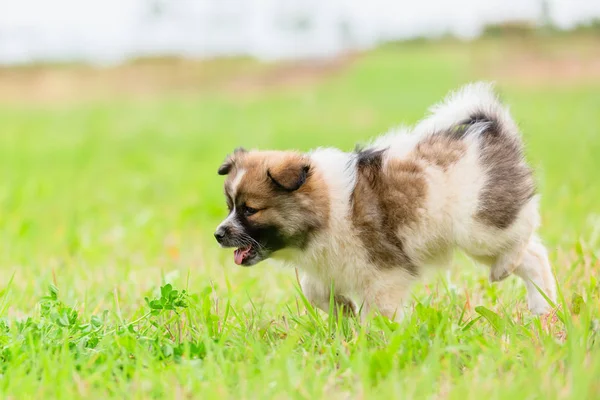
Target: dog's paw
pixel 538 305
pixel 540 309
pixel 498 274
pixel 346 305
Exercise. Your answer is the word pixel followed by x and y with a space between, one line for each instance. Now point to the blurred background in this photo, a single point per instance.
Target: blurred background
pixel 111 31
pixel 115 114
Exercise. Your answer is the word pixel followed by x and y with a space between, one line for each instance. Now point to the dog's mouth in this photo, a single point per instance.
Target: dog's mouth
pixel 244 255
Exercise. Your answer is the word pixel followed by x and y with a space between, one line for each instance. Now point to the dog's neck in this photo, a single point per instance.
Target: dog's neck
pixel 338 172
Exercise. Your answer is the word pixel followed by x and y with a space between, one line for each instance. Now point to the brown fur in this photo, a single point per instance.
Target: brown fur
pixel 385 199
pixel 269 185
pixel 388 197
pixel 440 150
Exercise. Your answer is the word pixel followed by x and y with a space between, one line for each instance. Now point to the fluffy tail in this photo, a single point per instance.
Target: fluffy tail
pixel 473 103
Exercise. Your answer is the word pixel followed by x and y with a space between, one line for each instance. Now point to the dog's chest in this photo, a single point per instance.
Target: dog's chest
pixel 338 261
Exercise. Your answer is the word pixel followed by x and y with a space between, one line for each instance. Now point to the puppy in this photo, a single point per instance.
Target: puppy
pixel 368 223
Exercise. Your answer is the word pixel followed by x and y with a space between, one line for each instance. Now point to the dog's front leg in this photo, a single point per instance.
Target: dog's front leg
pixel 319 294
pixel 387 296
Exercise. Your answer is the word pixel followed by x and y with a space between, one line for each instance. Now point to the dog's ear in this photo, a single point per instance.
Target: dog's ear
pixel 290 173
pixel 226 166
pixel 229 162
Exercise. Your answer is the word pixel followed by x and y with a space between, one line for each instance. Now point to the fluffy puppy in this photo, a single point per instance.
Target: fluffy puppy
pixel 367 223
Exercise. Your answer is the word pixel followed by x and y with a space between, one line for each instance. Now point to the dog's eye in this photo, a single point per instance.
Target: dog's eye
pixel 248 211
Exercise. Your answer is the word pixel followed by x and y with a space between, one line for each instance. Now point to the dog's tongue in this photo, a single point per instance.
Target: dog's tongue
pixel 240 254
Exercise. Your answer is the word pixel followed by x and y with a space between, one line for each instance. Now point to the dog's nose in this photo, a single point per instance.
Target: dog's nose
pixel 220 234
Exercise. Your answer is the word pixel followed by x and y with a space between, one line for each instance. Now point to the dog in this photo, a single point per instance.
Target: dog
pixel 368 223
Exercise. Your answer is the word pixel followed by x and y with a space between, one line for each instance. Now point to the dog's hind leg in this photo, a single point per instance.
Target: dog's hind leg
pixel 528 261
pixel 505 264
pixel 535 270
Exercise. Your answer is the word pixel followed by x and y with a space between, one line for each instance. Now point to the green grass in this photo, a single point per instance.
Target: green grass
pixel 109 202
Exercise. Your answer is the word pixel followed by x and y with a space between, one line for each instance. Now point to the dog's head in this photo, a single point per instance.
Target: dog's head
pixel 276 200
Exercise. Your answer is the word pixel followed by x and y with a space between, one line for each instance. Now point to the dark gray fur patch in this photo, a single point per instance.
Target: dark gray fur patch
pixel 369 162
pixel 510 184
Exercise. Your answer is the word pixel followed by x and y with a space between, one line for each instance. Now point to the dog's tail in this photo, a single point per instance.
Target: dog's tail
pixel 473 105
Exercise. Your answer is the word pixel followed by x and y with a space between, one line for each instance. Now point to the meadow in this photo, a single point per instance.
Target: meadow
pixel 111 284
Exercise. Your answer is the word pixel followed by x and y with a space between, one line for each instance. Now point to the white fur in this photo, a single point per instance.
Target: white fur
pixel 236 181
pixel 461 104
pixel 447 220
pixel 231 221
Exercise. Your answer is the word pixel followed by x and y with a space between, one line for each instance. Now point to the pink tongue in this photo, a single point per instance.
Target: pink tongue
pixel 240 254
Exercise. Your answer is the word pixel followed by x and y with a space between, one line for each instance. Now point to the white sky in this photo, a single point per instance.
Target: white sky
pixel 111 30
